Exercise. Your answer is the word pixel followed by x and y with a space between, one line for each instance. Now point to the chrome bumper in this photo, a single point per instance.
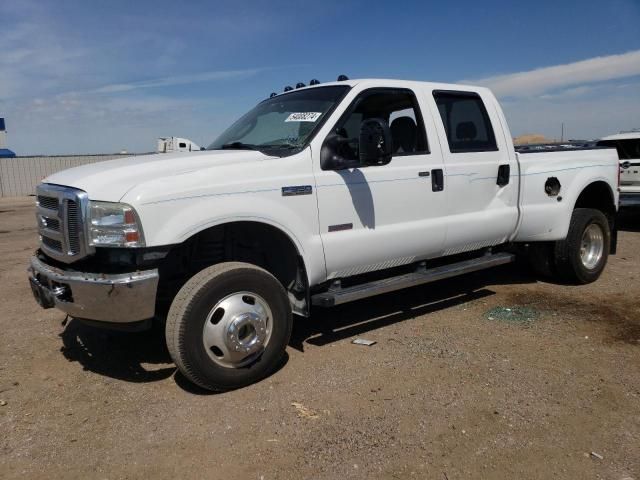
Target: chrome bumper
pixel 119 298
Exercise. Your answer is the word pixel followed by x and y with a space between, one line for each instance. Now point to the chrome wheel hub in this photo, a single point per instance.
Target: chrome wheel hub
pixel 592 246
pixel 237 329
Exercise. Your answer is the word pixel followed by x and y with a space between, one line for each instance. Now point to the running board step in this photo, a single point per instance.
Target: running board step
pixel 357 292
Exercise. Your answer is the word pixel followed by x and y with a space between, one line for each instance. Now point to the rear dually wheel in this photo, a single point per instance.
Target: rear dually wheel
pixel 581 257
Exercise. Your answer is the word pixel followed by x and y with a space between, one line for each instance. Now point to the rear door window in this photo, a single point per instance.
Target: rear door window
pixel 627 149
pixel 466 122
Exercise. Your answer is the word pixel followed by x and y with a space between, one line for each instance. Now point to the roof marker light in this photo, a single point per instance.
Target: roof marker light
pixel 287 88
pixel 273 94
pixel 342 78
pixel 314 82
pixel 300 85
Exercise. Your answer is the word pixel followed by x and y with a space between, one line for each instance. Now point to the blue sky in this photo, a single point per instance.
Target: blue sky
pixel 91 77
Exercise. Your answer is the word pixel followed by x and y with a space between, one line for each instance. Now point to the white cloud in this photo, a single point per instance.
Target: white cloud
pixel 84 123
pixel 33 58
pixel 542 80
pixel 178 80
pixel 607 111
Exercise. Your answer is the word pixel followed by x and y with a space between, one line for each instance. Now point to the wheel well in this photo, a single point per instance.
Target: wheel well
pixel 256 243
pixel 598 195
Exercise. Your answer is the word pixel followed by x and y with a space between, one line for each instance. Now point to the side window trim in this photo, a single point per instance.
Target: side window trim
pixel 416 106
pixel 485 115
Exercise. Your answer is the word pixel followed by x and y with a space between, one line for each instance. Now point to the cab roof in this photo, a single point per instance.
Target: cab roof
pixel 633 135
pixel 373 82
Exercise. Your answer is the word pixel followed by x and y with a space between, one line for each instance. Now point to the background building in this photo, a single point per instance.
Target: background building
pixel 4 151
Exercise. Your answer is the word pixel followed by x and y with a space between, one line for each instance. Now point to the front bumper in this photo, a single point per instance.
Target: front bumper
pixel 116 298
pixel 629 199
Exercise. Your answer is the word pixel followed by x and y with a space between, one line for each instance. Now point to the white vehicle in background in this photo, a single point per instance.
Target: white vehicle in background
pixel 628 146
pixel 176 144
pixel 320 195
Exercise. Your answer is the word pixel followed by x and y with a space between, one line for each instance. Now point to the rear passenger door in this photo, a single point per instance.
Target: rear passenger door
pixel 481 171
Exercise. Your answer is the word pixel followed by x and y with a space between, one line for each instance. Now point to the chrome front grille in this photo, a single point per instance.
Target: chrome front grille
pixel 73 227
pixel 51 223
pixel 52 244
pixel 62 214
pixel 50 203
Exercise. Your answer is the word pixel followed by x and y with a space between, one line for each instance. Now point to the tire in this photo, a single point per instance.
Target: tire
pixel 575 263
pixel 229 326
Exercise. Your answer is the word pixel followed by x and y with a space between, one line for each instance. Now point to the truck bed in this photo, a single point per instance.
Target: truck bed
pixel 556 147
pixel 550 184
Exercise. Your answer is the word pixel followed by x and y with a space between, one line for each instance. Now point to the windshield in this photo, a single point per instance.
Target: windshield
pixel 283 122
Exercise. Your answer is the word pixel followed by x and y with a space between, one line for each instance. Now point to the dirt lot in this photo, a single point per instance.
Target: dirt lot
pixel 449 391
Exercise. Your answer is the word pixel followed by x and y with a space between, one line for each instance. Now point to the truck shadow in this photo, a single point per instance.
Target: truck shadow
pixel 338 323
pixel 330 325
pixel 361 196
pixel 629 220
pixel 143 357
pixel 138 357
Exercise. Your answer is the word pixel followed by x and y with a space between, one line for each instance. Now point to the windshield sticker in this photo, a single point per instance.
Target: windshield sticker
pixel 303 117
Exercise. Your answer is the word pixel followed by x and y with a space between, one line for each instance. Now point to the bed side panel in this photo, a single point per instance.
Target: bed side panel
pixel 546 216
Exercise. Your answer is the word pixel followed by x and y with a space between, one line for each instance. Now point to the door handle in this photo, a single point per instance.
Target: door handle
pixel 437 180
pixel 504 172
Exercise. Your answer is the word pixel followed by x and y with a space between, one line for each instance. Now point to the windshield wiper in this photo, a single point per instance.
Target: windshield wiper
pixel 281 146
pixel 238 146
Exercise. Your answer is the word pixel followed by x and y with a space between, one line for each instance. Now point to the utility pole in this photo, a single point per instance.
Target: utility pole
pixel 562 133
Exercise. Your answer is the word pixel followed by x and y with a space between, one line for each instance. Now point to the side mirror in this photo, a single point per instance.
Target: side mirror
pixel 376 143
pixel 336 154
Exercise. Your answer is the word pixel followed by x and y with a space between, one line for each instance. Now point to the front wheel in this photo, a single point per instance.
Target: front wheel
pixel 581 257
pixel 228 326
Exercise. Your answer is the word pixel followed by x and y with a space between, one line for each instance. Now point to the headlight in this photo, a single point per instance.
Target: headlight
pixel 114 225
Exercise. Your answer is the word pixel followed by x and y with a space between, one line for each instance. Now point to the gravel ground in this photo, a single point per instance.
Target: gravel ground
pixel 452 389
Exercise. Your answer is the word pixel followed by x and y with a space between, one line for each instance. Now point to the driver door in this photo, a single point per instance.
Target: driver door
pixel 376 217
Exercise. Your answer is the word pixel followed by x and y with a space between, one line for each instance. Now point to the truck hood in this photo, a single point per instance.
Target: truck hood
pixel 112 179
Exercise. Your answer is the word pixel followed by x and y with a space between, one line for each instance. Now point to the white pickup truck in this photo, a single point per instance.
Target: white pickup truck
pixel 628 146
pixel 320 195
